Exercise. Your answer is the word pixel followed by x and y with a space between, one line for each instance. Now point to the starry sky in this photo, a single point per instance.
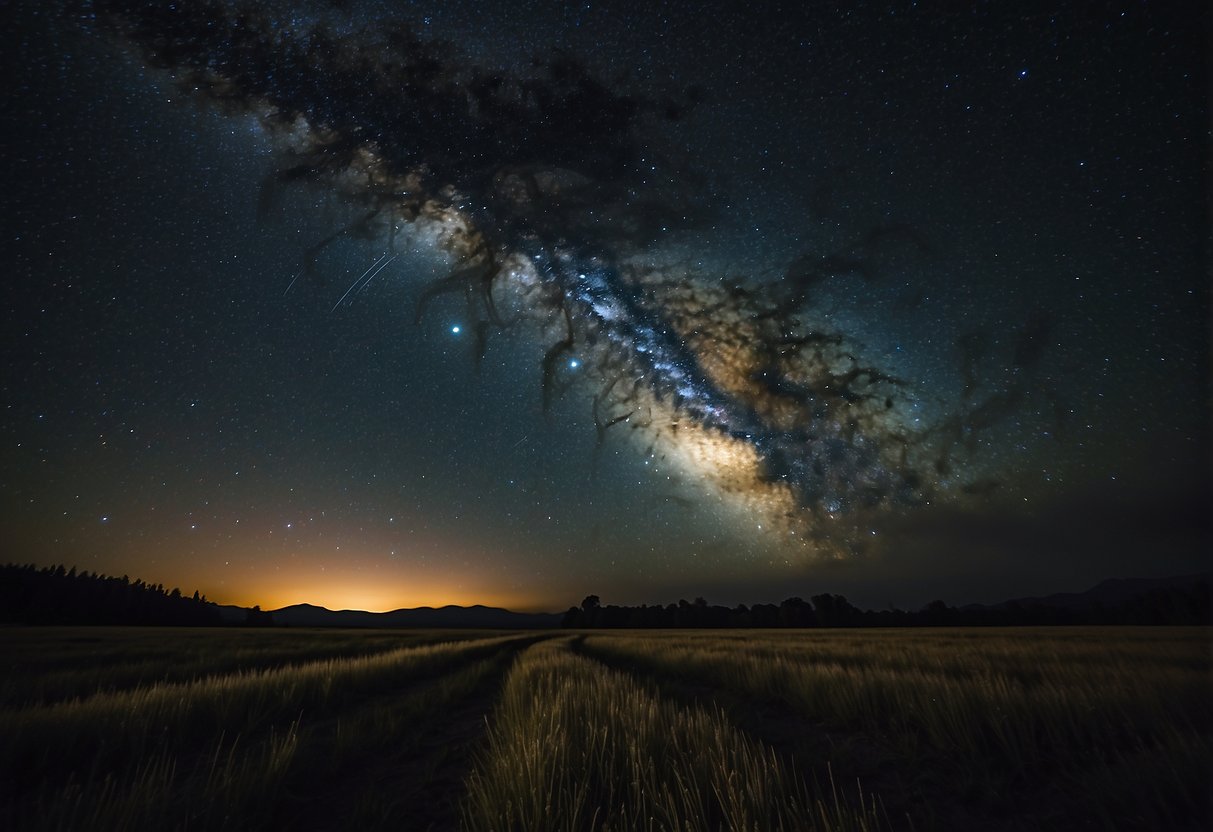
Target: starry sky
pixel 379 305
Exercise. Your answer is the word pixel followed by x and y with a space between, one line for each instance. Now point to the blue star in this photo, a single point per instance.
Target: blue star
pixel 455 330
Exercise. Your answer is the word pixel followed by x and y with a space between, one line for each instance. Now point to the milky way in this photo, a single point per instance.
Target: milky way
pixel 551 190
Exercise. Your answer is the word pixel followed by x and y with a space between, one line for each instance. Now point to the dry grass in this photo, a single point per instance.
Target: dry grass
pixel 576 746
pixel 209 753
pixel 999 715
pixel 1101 728
pixel 53 664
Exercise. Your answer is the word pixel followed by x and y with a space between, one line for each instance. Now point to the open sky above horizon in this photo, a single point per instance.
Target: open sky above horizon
pixel 378 305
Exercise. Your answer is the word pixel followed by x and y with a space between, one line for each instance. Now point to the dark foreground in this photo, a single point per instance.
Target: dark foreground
pixel 1059 728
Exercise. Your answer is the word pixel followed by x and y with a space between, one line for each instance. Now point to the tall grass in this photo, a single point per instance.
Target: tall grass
pixel 244 783
pixel 1108 728
pixel 54 664
pixel 575 746
pixel 995 714
pixel 225 788
pixel 135 742
pixel 128 722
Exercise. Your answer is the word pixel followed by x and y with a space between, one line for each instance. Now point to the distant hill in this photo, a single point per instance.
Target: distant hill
pixel 1113 592
pixel 308 615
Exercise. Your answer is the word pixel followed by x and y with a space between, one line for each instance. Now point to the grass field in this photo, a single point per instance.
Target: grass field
pixel 1063 728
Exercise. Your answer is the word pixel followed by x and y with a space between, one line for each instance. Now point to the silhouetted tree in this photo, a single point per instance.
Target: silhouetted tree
pixel 256 617
pixel 835 611
pixel 590 611
pixel 794 612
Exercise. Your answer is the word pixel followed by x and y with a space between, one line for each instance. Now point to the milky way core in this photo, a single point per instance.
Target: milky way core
pixel 556 199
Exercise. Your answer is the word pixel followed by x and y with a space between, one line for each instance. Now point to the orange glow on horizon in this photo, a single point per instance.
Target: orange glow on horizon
pixel 235 577
pixel 345 593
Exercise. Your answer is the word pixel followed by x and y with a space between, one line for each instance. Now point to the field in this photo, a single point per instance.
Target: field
pixel 950 729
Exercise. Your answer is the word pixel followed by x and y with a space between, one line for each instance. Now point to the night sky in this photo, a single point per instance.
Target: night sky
pixel 376 305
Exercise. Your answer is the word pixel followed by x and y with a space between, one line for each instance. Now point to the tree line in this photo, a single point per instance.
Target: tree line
pixel 58 595
pixel 1187 605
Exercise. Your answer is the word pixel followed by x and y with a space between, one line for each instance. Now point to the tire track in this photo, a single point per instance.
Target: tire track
pixel 412 780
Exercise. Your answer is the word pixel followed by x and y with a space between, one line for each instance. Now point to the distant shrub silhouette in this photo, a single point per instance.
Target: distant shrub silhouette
pixel 1180 601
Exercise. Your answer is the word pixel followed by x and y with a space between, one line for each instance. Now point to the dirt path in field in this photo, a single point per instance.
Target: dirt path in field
pixel 416 787
pixel 910 794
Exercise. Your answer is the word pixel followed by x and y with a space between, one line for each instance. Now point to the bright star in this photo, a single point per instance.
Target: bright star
pixel 455 330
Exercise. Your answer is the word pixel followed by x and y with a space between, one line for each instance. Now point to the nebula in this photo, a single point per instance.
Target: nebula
pixel 551 190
